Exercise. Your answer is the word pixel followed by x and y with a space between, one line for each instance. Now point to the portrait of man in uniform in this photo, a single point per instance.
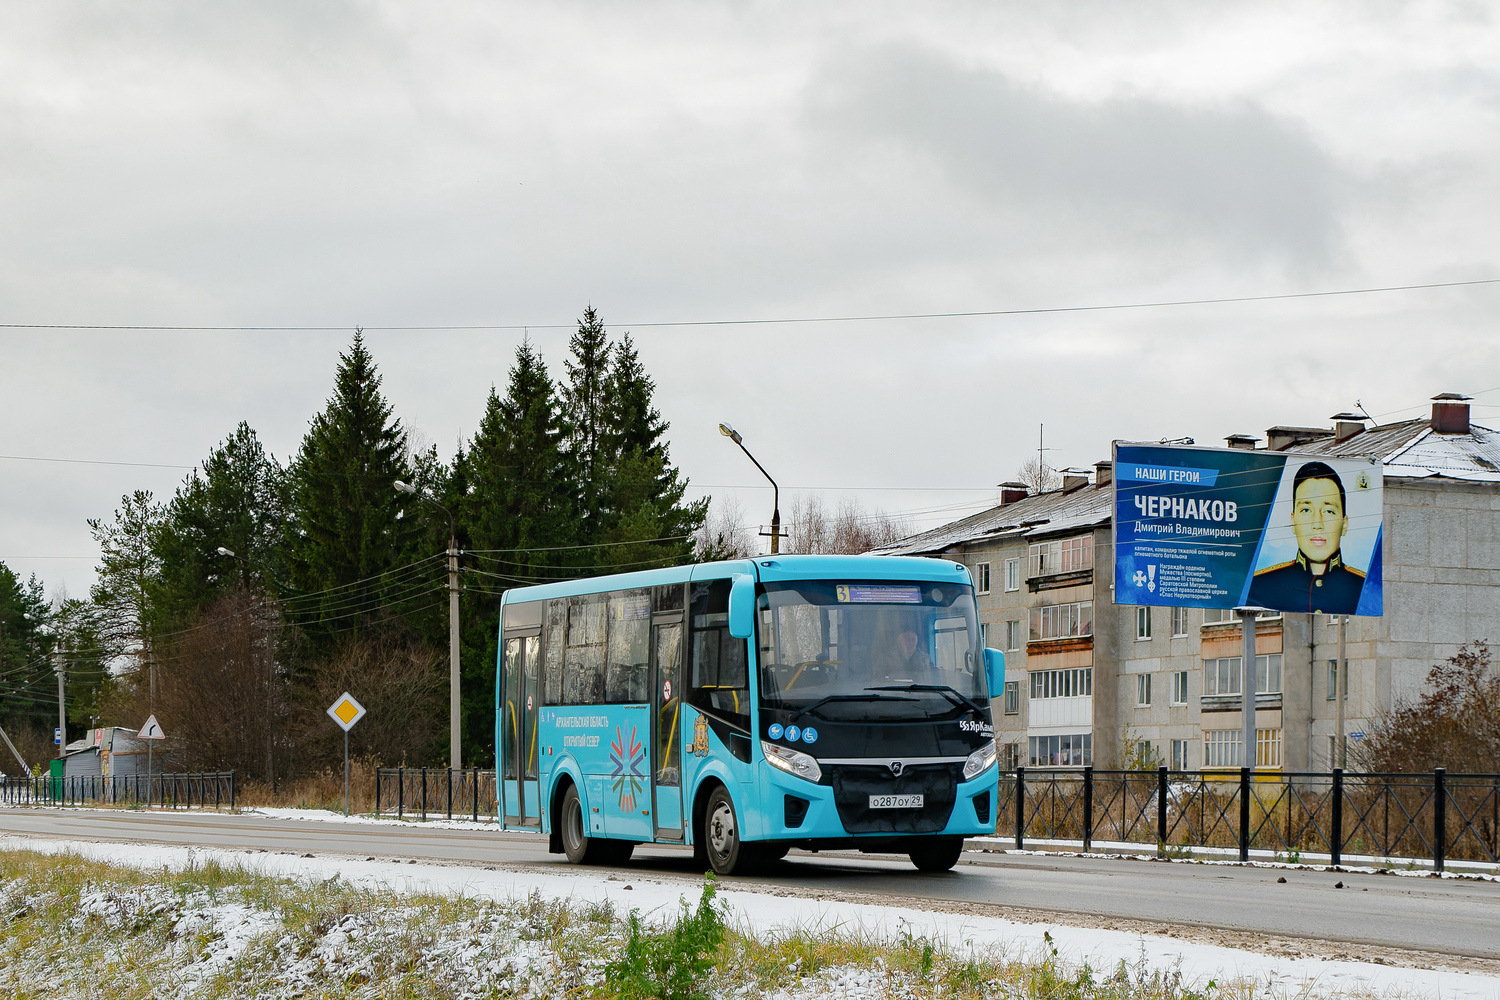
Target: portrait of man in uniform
pixel 1317 580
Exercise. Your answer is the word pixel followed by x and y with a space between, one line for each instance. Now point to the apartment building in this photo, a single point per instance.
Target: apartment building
pixel 1093 682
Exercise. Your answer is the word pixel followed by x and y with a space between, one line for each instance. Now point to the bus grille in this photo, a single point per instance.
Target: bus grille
pixel 853 784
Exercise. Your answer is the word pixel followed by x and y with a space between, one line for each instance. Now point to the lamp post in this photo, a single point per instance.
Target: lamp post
pixel 734 436
pixel 454 750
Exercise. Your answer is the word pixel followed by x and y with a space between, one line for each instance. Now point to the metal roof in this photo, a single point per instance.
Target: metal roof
pixel 1407 450
pixel 1042 514
pixel 1412 450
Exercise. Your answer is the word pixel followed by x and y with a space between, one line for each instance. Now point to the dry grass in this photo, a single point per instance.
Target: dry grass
pixel 76 928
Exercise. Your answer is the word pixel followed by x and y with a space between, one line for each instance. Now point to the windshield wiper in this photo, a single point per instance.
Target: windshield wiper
pixel 812 709
pixel 952 694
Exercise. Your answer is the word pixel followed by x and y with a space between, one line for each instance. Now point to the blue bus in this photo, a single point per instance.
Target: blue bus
pixel 745 708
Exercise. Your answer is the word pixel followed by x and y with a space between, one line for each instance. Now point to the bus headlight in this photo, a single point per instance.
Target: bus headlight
pixel 793 762
pixel 980 761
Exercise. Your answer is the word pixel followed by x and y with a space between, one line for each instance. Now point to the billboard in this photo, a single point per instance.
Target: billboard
pixel 1229 527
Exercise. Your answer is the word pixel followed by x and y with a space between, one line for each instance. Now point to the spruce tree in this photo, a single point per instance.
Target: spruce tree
pixel 28 690
pixel 642 492
pixel 519 508
pixel 233 501
pixel 351 533
pixel 587 415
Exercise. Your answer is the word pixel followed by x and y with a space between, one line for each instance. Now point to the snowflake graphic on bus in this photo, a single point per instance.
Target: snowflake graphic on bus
pixel 628 758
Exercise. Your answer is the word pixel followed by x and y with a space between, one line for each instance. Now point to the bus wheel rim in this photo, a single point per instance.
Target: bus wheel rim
pixel 721 829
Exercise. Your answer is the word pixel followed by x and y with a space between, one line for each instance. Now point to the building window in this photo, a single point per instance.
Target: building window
pixel 984 634
pixel 1013 634
pixel 1012 697
pixel 1143 623
pixel 982 578
pixel 1013 574
pixel 1010 756
pixel 1059 555
pixel 1059 621
pixel 1143 689
pixel 1222 676
pixel 1224 748
pixel 1077 682
pixel 1268 748
pixel 1333 678
pixel 1179 621
pixel 1179 687
pixel 1179 755
pixel 1072 750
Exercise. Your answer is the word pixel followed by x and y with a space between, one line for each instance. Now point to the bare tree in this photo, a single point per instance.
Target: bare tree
pixel 1454 724
pixel 403 687
pixel 223 693
pixel 723 535
pixel 849 529
pixel 1036 474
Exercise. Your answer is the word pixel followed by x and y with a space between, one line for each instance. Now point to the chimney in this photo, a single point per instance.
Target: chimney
pixel 1346 425
pixel 1243 442
pixel 1281 438
pixel 1074 479
pixel 1011 492
pixel 1450 413
pixel 1103 473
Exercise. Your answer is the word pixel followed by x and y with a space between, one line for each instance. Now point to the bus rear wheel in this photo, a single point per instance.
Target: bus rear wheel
pixel 580 848
pixel 936 855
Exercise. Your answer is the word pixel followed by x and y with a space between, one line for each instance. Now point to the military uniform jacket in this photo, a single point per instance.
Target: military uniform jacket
pixel 1292 586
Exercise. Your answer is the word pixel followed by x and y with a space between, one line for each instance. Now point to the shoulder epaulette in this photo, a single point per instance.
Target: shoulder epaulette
pixel 1356 572
pixel 1272 569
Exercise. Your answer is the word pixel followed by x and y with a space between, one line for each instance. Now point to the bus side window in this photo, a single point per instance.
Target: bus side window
pixel 628 675
pixel 554 631
pixel 583 665
pixel 719 679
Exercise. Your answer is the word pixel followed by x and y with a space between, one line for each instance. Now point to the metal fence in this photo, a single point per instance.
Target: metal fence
pixel 1436 817
pixel 468 793
pixel 165 791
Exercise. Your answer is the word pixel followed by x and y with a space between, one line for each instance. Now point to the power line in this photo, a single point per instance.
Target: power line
pixel 775 321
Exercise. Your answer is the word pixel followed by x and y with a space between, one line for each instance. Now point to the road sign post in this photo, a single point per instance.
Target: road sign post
pixel 345 711
pixel 150 732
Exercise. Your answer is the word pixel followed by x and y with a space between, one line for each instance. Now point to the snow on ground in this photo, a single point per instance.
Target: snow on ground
pixel 766 913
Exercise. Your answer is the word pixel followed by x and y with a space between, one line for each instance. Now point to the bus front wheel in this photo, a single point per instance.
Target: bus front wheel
pixel 936 855
pixel 727 853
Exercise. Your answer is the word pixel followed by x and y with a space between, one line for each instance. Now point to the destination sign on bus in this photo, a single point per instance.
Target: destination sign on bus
pixel 878 593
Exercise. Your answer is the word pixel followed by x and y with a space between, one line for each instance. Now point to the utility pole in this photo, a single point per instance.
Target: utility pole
pixel 62 713
pixel 1340 692
pixel 454 749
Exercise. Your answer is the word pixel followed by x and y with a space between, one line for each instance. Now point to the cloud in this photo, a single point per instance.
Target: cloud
pixel 1231 175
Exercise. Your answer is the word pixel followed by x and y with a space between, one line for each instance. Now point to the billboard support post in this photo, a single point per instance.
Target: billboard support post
pixel 1247 681
pixel 1340 691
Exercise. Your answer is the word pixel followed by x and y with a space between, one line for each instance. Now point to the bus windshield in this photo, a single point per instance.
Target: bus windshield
pixel 849 650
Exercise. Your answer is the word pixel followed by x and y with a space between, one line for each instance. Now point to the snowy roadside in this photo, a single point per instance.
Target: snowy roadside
pixel 767 915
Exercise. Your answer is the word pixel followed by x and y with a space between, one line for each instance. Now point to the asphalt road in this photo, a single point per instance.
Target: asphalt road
pixel 1458 917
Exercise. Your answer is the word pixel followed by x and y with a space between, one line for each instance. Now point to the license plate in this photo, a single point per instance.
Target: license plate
pixel 896 801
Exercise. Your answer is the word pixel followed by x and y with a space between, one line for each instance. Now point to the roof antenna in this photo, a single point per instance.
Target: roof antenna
pixel 1366 412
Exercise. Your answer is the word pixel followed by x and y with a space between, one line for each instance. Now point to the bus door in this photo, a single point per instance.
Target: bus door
pixel 666 734
pixel 518 744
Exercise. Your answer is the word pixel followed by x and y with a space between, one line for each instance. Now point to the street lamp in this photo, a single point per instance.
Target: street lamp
pixel 454 731
pixel 734 436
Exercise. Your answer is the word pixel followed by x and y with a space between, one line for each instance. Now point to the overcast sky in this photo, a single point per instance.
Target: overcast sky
pixel 327 164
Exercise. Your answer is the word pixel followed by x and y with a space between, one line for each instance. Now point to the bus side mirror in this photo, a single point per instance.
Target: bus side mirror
pixel 994 671
pixel 742 606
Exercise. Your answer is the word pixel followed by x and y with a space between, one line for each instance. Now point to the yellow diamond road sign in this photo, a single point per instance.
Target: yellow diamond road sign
pixel 346 711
